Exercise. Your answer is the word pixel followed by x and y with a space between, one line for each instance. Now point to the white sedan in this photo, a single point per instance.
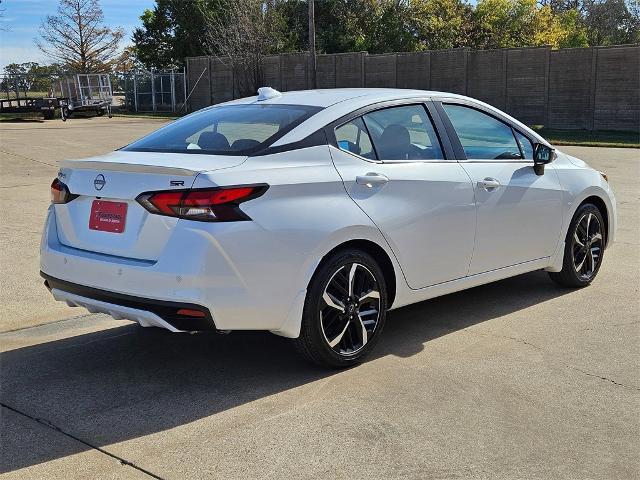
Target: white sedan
pixel 311 214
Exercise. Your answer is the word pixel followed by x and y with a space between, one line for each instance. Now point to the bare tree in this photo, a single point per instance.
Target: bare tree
pixel 3 28
pixel 242 33
pixel 76 37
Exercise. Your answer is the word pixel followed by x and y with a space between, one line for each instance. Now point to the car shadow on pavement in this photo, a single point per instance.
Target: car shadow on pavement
pixel 123 383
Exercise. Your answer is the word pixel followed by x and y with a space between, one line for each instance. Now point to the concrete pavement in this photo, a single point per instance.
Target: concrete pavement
pixel 29 152
pixel 517 379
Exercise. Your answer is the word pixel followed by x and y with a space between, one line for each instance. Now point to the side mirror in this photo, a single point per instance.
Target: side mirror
pixel 542 154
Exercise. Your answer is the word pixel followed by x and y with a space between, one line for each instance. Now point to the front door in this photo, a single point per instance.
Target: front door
pixel 393 167
pixel 519 212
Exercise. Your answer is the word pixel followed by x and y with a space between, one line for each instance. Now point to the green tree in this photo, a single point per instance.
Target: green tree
pixel 29 77
pixel 611 22
pixel 172 31
pixel 441 24
pixel 504 23
pixel 386 26
pixel 574 33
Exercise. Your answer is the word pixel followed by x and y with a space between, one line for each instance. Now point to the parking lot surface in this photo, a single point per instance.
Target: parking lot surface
pixel 517 379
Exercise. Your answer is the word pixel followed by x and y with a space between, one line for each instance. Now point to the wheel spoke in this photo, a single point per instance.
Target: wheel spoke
pixel 579 267
pixel 373 294
pixel 575 237
pixel 589 223
pixel 352 275
pixel 332 302
pixel 336 340
pixel 593 253
pixel 364 331
pixel 597 236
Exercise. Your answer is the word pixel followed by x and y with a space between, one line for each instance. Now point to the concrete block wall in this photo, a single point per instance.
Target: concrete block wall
pixel 580 88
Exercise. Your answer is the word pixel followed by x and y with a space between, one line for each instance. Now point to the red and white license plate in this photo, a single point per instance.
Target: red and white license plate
pixel 108 216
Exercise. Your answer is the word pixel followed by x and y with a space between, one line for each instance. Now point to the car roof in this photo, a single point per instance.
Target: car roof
pixel 328 97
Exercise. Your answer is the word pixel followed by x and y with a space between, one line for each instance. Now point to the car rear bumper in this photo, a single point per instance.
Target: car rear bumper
pixel 147 312
pixel 196 270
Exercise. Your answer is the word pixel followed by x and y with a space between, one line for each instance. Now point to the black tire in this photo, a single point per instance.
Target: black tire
pixel 356 338
pixel 48 114
pixel 99 112
pixel 571 276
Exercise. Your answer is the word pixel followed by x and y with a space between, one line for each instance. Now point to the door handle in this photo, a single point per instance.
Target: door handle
pixel 371 179
pixel 489 184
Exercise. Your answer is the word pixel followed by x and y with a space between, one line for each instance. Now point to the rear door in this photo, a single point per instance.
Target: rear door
pixel 396 168
pixel 519 212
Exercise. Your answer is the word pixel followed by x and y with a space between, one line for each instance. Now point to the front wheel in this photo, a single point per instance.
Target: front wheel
pixel 584 248
pixel 344 311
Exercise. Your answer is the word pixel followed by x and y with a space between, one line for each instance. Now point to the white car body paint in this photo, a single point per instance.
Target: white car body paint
pixel 439 231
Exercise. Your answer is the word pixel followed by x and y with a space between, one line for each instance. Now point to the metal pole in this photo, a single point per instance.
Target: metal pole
pixel 153 92
pixel 173 90
pixel 184 86
pixel 312 42
pixel 135 91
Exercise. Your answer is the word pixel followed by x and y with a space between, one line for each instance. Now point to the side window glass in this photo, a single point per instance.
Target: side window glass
pixel 481 135
pixel 353 137
pixel 525 145
pixel 403 133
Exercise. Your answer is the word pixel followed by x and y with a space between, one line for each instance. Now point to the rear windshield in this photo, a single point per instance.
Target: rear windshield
pixel 225 130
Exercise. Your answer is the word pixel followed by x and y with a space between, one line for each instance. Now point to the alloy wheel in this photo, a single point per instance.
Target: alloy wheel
pixel 350 308
pixel 587 246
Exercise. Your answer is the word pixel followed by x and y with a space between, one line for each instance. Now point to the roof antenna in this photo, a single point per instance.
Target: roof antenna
pixel 266 93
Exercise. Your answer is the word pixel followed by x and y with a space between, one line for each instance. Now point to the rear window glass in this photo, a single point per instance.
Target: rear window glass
pixel 225 130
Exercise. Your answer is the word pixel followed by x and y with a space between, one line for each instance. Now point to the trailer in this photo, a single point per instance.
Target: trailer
pixel 86 92
pixel 45 105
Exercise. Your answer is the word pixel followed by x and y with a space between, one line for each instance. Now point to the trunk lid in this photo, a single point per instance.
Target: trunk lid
pixel 120 177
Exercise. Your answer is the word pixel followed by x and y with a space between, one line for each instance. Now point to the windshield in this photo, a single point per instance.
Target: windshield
pixel 225 130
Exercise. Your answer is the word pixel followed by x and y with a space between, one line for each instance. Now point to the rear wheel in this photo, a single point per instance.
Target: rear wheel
pixel 584 248
pixel 345 310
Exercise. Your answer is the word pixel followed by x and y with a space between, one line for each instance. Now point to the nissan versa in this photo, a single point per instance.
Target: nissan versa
pixel 311 214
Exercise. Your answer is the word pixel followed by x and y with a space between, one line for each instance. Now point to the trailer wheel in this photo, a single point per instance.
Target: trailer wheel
pixel 100 112
pixel 48 114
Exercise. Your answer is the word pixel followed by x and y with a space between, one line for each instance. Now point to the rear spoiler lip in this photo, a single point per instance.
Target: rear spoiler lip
pixel 127 167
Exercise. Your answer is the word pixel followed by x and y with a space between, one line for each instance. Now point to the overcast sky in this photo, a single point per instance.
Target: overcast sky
pixel 23 17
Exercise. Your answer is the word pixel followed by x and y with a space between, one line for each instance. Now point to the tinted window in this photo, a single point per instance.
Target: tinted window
pixel 226 130
pixel 403 133
pixel 353 137
pixel 525 145
pixel 482 136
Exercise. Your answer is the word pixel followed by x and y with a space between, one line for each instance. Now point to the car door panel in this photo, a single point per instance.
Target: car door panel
pixel 425 210
pixel 518 220
pixel 519 213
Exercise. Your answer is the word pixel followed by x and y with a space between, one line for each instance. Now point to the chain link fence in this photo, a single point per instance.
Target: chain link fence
pixel 141 91
pixel 150 91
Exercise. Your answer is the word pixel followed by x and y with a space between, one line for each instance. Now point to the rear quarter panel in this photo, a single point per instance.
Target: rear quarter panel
pixel 304 214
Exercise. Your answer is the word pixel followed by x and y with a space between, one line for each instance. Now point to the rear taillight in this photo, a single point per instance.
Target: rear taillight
pixel 219 204
pixel 60 192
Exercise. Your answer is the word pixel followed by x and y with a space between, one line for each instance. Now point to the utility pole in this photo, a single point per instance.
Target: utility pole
pixel 312 42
